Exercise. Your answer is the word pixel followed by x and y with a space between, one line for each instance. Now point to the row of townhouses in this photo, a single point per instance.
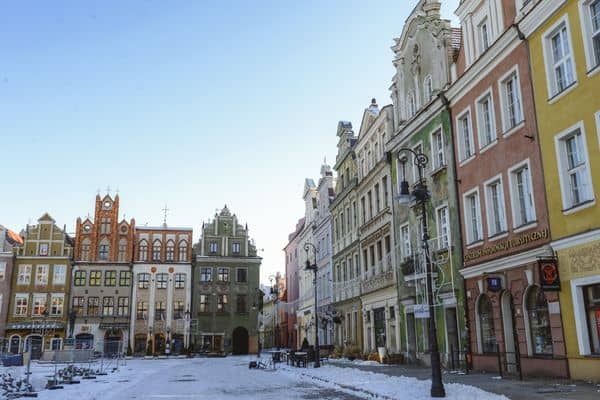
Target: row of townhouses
pixel 117 287
pixel 506 110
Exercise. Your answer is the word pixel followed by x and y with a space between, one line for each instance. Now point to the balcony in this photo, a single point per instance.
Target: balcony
pixel 345 290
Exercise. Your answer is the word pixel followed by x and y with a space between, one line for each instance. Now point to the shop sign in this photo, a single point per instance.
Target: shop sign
pixel 508 244
pixel 494 283
pixel 85 329
pixel 421 311
pixel 549 279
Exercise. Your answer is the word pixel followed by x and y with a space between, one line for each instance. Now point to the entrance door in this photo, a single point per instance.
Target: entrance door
pixel 15 344
pixel 411 336
pixel 84 341
pixel 35 344
pixel 240 340
pixel 112 342
pixel 159 343
pixel 218 343
pixel 452 345
pixel 509 337
pixel 379 323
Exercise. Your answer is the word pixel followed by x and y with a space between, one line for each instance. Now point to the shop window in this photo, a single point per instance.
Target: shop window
pixel 485 315
pixel 592 301
pixel 539 322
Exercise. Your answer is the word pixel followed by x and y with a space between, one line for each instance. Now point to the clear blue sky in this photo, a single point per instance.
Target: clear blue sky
pixel 194 104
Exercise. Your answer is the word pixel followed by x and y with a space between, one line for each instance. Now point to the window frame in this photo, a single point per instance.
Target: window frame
pixel 24 274
pixel 237 274
pixel 514 196
pixel 62 277
pixel 60 308
pixel 553 93
pixel 96 275
pixel 483 143
pixel 122 309
pixel 470 240
pixel 591 57
pixel 125 278
pixel 490 208
pixel 443 244
pixel 206 274
pixel 108 304
pixel 95 307
pixel 143 283
pixel 437 151
pixel 162 280
pixel 223 274
pixel 465 114
pixel 180 278
pixel 110 278
pixel 45 268
pixel 513 74
pixel 404 241
pixel 22 309
pixel 80 278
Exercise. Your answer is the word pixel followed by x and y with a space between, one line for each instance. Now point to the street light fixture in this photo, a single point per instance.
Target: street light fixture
pixel 314 269
pixel 420 195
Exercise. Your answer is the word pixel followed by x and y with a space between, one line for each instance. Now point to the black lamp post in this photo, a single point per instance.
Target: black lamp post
pixel 421 195
pixel 314 269
pixel 187 329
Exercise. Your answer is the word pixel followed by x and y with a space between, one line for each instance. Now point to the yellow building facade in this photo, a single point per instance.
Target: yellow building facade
pixel 564 44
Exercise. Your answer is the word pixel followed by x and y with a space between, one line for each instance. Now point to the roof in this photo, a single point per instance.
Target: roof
pixel 162 228
pixel 13 237
pixel 455 37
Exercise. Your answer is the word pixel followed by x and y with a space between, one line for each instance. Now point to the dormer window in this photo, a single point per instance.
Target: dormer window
pixel 428 88
pixel 483 30
pixel 411 104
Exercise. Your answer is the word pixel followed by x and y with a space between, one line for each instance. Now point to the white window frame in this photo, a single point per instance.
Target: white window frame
pixel 41 274
pixel 35 297
pixel 553 93
pixel 405 241
pixel 587 28
pixel 62 304
pixel 21 296
pixel 59 279
pixel 411 104
pixel 467 217
pixel 428 89
pixel 437 151
pixel 463 157
pixel 565 186
pixel 490 215
pixel 507 129
pixel 597 119
pixel 514 196
pixel 24 274
pixel 441 225
pixel 580 312
pixel 483 143
pixel 481 48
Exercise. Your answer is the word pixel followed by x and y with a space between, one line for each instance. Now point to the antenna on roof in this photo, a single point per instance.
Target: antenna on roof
pixel 165 211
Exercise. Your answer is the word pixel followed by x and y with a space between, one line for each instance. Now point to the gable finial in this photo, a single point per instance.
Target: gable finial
pixel 165 211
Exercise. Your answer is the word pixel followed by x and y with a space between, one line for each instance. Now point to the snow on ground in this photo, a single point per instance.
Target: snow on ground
pixel 230 378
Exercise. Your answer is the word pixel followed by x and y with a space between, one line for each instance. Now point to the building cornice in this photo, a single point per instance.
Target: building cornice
pixel 576 240
pixel 218 259
pixel 508 262
pixel 538 15
pixel 423 117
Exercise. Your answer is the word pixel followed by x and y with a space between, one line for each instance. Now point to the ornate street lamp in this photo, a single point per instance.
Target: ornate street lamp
pixel 421 195
pixel 314 269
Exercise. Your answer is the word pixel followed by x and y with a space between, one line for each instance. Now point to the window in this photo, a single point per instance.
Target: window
pixel 105 226
pixel 77 305
pixel 143 251
pixel 213 247
pixel 487 336
pixel 93 306
pixel 41 275
pixel 143 280
pixel 85 250
pixel 123 306
pixel 183 256
pixel 122 255
pixel 472 209
pixel 437 149
pixel 574 168
pixel 590 15
pixel 495 207
pixel 80 278
pixel 159 311
pixel 95 278
pixel 377 199
pixel 2 271
pixel 428 88
pixel 363 209
pixel 485 120
pixel 465 143
pixel 405 241
pixel 223 275
pixel 161 280
pixel 24 275
pixel 57 301
pixel 591 295
pixel 204 303
pixel 108 306
pixel 411 105
pixel 221 303
pixel 103 250
pixel 180 281
pixel 386 194
pixel 156 245
pixel 170 251
pixel 21 304
pixel 39 304
pixel 559 59
pixel 110 278
pixel 141 311
pixel 370 204
pixel 484 36
pixel 235 248
pixel 540 335
pixel 206 274
pixel 125 278
pixel 521 196
pixel 443 225
pixel 59 274
pixel 241 303
pixel 178 309
pixel 43 249
pixel 510 91
pixel 242 275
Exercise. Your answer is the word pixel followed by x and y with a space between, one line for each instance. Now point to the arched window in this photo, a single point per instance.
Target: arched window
pixel 103 250
pixel 540 335
pixel 487 336
pixel 411 104
pixel 428 88
pixel 156 245
pixel 183 246
pixel 143 250
pixel 122 250
pixel 85 250
pixel 170 251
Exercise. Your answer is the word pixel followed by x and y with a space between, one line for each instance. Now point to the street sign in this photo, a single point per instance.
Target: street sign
pixel 421 311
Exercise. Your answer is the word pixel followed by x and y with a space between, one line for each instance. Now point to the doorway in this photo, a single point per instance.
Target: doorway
pixel 112 342
pixel 35 344
pixel 452 344
pixel 411 337
pixel 509 337
pixel 240 340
